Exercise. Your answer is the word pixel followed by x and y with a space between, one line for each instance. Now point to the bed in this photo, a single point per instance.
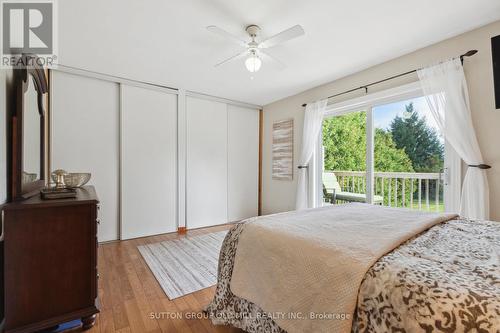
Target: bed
pixel 440 275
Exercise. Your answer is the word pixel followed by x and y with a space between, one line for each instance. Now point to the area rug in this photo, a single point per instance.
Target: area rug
pixel 184 265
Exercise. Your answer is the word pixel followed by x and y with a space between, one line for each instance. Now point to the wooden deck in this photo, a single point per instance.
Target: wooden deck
pixel 131 298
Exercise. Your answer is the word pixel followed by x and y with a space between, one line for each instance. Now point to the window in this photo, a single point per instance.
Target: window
pixel 384 148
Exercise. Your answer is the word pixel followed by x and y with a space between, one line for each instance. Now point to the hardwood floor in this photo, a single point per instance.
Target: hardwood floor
pixel 133 301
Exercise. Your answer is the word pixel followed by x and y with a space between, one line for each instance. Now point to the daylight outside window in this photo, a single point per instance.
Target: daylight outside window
pixel 408 157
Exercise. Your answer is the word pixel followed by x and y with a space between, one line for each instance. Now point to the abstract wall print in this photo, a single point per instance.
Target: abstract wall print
pixel 283 150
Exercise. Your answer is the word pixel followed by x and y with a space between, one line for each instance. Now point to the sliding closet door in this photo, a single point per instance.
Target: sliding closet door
pixel 243 163
pixel 85 118
pixel 149 159
pixel 206 176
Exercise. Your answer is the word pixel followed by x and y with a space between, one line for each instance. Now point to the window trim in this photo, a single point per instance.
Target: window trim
pixel 362 103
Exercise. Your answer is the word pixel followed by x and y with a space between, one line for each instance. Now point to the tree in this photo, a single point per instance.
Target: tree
pixel 387 156
pixel 419 141
pixel 344 140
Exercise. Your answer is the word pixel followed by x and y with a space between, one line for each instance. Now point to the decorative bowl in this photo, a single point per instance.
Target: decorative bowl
pixel 74 179
pixel 77 179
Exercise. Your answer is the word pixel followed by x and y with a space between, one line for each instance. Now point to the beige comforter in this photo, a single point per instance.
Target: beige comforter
pixel 305 268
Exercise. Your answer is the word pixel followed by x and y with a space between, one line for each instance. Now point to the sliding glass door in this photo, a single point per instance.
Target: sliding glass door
pixel 387 150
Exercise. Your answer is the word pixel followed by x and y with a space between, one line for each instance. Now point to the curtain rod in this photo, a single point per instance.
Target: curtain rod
pixel 469 53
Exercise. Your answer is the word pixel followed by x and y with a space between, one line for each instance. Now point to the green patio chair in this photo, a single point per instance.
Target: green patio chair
pixel 334 192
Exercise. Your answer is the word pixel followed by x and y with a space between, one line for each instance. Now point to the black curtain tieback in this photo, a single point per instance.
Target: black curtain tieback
pixel 480 166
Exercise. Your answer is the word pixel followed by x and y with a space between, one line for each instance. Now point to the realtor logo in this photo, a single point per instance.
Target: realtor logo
pixel 28 27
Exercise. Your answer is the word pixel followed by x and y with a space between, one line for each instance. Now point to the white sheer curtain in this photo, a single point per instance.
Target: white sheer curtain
pixel 313 118
pixel 447 96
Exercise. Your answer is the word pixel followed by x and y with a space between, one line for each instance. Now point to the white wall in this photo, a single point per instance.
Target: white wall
pixel 222 174
pixel 5 80
pixel 85 138
pixel 148 162
pixel 3 138
pixel 280 195
pixel 31 132
pixel 243 163
pixel 206 171
pixel 92 121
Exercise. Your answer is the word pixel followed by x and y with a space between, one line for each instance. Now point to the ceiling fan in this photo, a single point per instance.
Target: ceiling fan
pixel 254 48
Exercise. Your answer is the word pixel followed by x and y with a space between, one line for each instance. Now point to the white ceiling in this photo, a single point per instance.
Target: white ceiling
pixel 165 41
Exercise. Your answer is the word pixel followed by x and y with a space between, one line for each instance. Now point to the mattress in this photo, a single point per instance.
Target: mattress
pixel 446 279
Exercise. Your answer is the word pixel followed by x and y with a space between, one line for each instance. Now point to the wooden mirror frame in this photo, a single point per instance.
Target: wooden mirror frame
pixel 36 73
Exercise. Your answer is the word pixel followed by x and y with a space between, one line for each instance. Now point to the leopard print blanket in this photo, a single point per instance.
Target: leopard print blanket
pixel 445 280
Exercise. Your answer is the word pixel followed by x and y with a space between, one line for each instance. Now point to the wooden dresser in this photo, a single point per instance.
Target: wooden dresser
pixel 50 261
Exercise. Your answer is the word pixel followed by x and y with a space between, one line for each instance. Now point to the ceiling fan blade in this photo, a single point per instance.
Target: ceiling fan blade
pixel 227 35
pixel 282 37
pixel 279 65
pixel 234 57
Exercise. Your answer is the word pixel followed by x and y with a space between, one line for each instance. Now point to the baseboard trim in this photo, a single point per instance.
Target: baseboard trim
pixel 181 230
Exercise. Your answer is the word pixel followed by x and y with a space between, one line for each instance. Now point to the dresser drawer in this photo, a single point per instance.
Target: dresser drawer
pixel 50 263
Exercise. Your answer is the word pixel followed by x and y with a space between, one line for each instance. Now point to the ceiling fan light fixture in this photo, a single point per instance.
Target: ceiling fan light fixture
pixel 253 63
pixel 255 46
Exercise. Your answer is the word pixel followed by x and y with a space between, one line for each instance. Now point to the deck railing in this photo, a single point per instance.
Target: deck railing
pixel 414 190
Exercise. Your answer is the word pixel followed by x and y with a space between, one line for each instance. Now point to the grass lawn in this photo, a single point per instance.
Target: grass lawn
pixel 432 206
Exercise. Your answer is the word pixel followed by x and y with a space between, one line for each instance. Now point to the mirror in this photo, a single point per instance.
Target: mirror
pixel 26 128
pixel 31 135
